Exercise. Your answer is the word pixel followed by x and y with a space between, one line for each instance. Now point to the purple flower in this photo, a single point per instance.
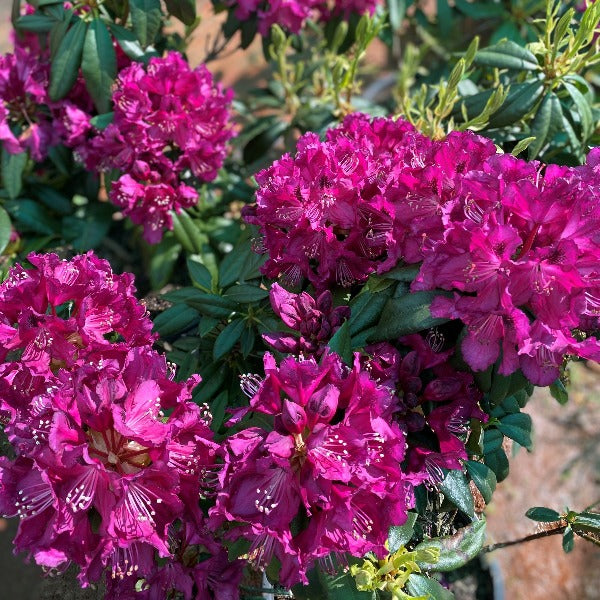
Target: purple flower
pixel 171 127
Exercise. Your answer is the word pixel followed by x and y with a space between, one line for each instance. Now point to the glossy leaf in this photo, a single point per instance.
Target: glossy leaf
pixel 456 488
pixel 127 41
pixel 518 428
pixel 408 314
pixel 483 477
pixel 36 23
pixel 587 521
pixel 65 65
pixel 455 550
pixel 583 109
pixel 99 64
pixel 420 585
pixel 568 540
pixel 400 535
pixel 365 310
pixel 559 392
pixel 546 123
pixel 246 293
pixel 146 18
pixel 211 304
pixel 227 339
pixel 507 55
pixel 175 320
pixel 199 274
pixel 542 514
pixel 520 100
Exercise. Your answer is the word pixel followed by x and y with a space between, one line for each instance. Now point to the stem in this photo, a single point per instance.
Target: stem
pixel 527 538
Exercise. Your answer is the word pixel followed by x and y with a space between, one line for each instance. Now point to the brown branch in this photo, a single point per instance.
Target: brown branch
pixel 527 538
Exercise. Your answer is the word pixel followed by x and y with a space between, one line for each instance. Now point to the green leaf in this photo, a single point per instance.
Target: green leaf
pixel 5 229
pixel 247 341
pixel 88 230
pixel 483 477
pixel 101 122
pixel 559 392
pixel 162 262
pixel 480 10
pixel 31 216
pixel 408 314
pixel 456 488
pixel 587 521
pixel 340 343
pixel 227 339
pixel 184 10
pixel 245 293
pixel 128 42
pixel 542 514
pixel 583 108
pixel 217 409
pixel 65 65
pixel 400 535
pixel 58 31
pixel 99 64
pixel 420 585
pixel 258 146
pixel 342 587
pixel 365 310
pixel 37 23
pixel 13 166
pixel 146 18
pixel 546 123
pixel 241 264
pixel 176 319
pixel 498 462
pixel 199 274
pixel 507 55
pixel 406 273
pixel 211 305
pixel 517 427
pixel 568 540
pixel 396 12
pixel 53 199
pixel 499 388
pixel 455 550
pixel 521 98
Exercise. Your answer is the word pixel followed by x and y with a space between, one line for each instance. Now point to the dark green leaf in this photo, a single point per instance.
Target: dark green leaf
pixel 559 392
pixel 498 462
pixel 455 550
pixel 546 123
pixel 31 216
pixel 405 273
pixel 199 274
pixel 507 55
pixel 521 98
pixel 583 108
pixel 542 514
pixel 365 310
pixel 37 23
pixel 257 147
pixel 408 314
pixel 483 477
pixel 5 229
pixel 65 65
pixel 53 199
pixel 58 31
pixel 247 341
pixel 587 521
pixel 517 427
pixel 456 488
pixel 212 305
pixel 420 585
pixel 207 324
pixel 128 42
pixel 99 64
pixel 13 166
pixel 245 293
pixel 499 389
pixel 184 10
pixel 217 409
pixel 568 540
pixel 342 587
pixel 227 339
pixel 340 343
pixel 146 17
pixel 400 535
pixel 175 320
pixel 162 262
pixel 480 10
pixel 88 230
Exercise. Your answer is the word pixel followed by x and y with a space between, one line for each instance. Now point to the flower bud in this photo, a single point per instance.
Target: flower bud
pixel 293 417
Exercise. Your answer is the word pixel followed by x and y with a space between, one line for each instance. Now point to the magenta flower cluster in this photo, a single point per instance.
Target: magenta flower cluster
pixel 513 239
pixel 111 453
pixel 170 129
pixel 327 479
pixel 29 120
pixel 292 14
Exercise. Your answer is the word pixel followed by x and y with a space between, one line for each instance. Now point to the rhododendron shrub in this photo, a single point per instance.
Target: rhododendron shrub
pixel 170 128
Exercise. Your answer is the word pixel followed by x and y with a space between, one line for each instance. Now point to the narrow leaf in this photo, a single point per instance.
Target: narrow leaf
pixel 146 18
pixel 65 65
pixel 13 166
pixel 99 64
pixel 227 339
pixel 5 229
pixel 507 55
pixel 340 343
pixel 542 514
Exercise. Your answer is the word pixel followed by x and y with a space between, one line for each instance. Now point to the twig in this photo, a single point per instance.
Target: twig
pixel 527 538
